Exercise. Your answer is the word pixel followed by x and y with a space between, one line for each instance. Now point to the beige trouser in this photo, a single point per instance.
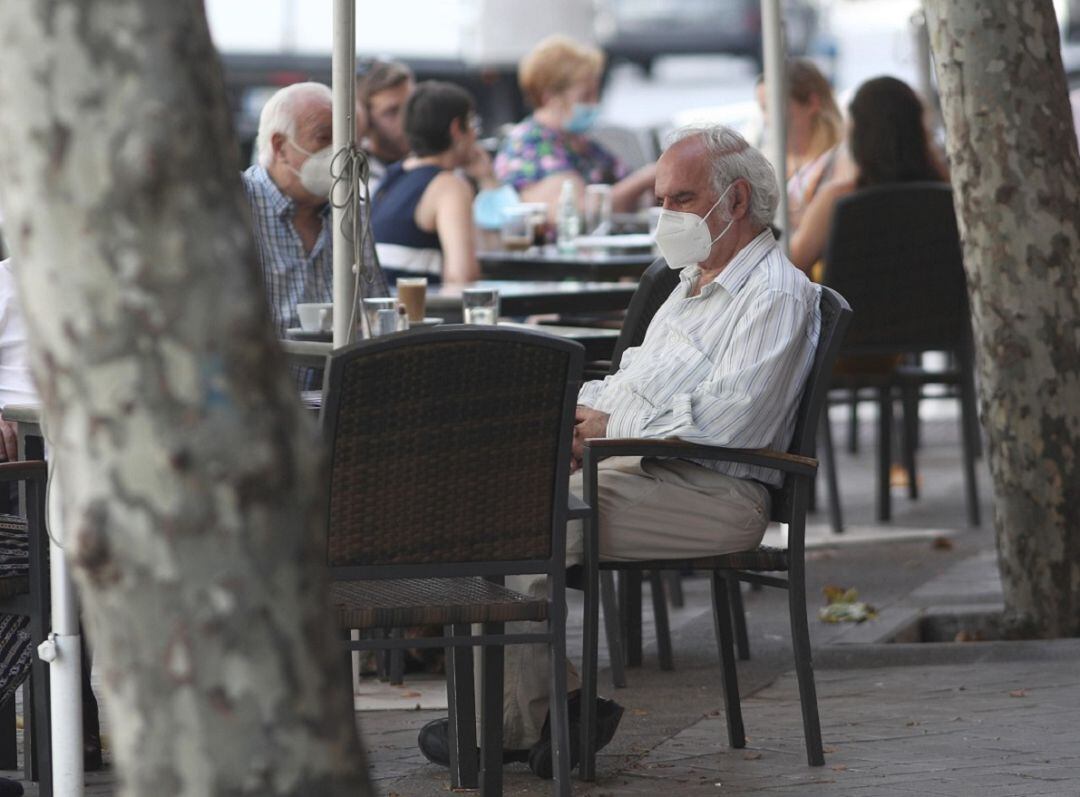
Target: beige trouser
pixel 649 509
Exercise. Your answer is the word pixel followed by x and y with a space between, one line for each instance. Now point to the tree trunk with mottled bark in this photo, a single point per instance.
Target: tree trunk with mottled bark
pixel 189 473
pixel 1016 184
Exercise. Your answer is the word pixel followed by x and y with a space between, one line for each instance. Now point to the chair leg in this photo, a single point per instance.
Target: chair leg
pixel 459 689
pixel 397 660
pixel 804 671
pixel 730 678
pixel 884 507
pixel 853 423
pixel 612 630
pixel 9 745
pixel 660 616
pixel 630 615
pixel 590 635
pixel 558 712
pixel 673 585
pixel 836 517
pixel 738 616
pixel 491 715
pixel 910 436
pixel 969 431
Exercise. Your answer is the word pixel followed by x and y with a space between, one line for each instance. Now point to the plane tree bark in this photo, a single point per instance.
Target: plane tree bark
pixel 188 471
pixel 1016 184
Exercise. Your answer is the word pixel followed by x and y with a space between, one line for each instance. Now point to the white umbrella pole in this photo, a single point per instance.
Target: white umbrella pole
pixel 65 680
pixel 343 85
pixel 772 32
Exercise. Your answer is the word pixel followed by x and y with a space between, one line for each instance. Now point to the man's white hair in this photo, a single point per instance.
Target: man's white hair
pixel 279 115
pixel 731 157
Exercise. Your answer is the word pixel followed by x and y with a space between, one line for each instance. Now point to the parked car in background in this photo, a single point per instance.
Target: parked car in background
pixel 640 31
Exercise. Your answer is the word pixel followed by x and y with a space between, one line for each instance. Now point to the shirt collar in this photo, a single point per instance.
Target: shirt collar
pixel 282 206
pixel 739 268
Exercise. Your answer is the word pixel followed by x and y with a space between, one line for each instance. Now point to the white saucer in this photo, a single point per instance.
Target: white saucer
pixel 430 321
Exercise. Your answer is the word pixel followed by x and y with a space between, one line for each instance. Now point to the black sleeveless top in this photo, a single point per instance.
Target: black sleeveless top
pixel 393 210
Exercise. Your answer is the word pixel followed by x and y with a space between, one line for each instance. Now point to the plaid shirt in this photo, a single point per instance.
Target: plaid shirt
pixel 291 275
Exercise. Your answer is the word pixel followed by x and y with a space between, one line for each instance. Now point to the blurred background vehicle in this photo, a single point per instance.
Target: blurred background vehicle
pixel 640 31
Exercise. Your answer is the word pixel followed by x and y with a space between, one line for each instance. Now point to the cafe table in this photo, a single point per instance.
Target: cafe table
pixel 599 342
pixel 547 263
pixel 525 298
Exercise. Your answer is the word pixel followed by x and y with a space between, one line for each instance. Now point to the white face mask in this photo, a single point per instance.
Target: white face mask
pixel 314 173
pixel 683 238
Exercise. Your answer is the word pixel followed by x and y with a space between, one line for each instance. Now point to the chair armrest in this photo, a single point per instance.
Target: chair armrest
pixel 576 508
pixel 23 470
pixel 603 447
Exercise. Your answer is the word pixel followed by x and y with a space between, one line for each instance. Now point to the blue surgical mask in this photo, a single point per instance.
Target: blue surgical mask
pixel 582 118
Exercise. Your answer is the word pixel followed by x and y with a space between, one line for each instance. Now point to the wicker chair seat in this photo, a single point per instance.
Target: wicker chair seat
pixel 14 557
pixel 431 601
pixel 762 558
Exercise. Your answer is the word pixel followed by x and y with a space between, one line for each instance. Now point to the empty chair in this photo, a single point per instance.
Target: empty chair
pixel 894 253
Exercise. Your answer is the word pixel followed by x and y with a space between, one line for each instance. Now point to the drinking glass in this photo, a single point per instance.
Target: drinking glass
pixel 517 228
pixel 480 305
pixel 384 316
pixel 412 292
pixel 597 209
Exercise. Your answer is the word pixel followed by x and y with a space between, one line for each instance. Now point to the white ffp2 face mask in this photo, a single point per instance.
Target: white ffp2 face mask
pixel 683 238
pixel 314 173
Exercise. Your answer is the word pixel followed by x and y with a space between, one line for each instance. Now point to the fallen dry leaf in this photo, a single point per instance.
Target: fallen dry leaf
pixel 751 755
pixel 639 712
pixel 1018 693
pixel 911 723
pixel 839 768
pixel 829 749
pixel 942 543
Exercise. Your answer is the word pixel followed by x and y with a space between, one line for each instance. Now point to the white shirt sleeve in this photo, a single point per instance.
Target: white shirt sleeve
pixel 16 384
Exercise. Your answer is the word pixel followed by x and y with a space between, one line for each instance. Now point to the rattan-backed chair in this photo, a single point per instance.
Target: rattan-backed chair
pixel 24 591
pixel 449 461
pixel 894 252
pixel 789 505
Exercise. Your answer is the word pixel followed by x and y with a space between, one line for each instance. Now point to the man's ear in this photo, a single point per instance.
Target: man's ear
pixel 740 205
pixel 277 143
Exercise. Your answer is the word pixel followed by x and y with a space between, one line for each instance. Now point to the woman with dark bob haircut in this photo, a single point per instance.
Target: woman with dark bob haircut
pixel 889 144
pixel 422 213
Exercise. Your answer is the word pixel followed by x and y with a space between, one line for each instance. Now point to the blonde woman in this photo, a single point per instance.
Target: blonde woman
pixel 561 80
pixel 815 132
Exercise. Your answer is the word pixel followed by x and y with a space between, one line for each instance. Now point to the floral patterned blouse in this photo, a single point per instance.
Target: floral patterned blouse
pixel 532 152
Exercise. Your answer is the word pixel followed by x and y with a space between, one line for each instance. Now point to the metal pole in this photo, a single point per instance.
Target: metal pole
pixel 925 64
pixel 772 32
pixel 343 85
pixel 65 680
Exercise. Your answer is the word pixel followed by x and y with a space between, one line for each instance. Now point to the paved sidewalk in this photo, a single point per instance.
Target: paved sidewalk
pixel 986 719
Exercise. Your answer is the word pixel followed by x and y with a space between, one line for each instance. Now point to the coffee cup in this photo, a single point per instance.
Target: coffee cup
pixel 316 317
pixel 412 292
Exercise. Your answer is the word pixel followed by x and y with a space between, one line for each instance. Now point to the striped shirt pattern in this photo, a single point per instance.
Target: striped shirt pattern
pixel 291 275
pixel 723 368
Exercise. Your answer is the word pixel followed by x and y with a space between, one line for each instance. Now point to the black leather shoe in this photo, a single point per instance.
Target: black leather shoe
pixel 10 788
pixel 434 743
pixel 608 715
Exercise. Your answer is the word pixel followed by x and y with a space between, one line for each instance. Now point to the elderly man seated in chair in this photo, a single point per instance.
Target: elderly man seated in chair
pixel 723 363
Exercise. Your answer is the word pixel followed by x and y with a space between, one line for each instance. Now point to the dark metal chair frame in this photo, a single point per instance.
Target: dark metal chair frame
pixel 789 505
pixel 894 252
pixel 381 581
pixel 29 596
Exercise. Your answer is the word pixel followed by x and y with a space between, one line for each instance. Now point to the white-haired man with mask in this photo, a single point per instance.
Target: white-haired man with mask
pixel 289 189
pixel 723 363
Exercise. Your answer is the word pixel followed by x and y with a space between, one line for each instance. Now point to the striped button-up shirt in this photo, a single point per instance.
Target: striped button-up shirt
pixel 292 275
pixel 723 368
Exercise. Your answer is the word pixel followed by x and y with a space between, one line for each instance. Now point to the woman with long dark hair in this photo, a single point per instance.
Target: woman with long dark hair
pixel 888 142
